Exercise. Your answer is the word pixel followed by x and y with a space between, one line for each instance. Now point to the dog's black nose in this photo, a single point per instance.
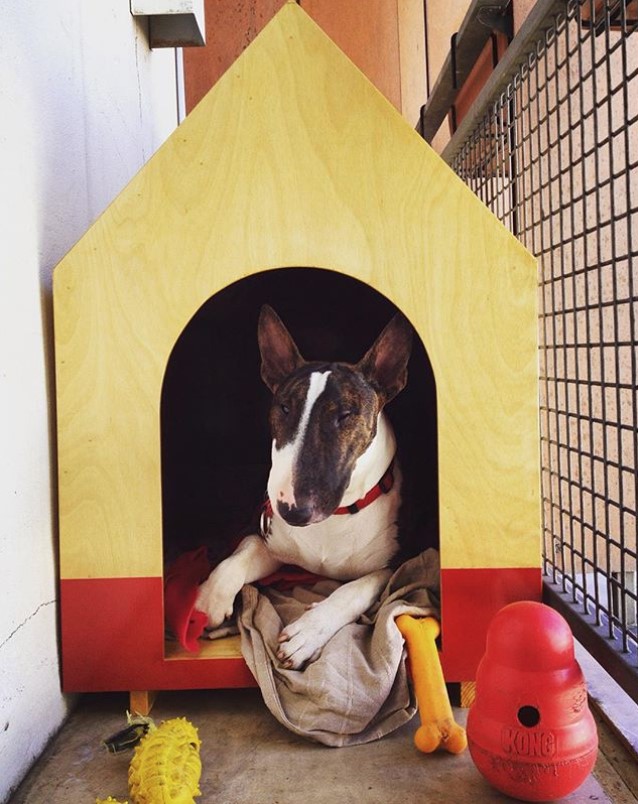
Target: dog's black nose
pixel 294 515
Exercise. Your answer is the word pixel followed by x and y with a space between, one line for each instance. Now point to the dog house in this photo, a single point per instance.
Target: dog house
pixel 293 182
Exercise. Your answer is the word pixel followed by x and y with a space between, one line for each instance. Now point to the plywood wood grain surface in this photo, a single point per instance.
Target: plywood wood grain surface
pixel 294 159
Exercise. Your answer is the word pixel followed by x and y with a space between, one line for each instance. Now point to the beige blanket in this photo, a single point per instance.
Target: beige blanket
pixel 357 690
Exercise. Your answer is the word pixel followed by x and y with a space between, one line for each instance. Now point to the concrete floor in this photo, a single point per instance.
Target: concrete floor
pixel 248 758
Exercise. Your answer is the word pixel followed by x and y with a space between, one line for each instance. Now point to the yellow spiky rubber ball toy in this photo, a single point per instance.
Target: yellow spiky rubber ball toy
pixel 166 766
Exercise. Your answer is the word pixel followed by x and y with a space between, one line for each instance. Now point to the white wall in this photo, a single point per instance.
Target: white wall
pixel 83 104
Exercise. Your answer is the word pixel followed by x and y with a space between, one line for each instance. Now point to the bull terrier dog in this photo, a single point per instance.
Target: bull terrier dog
pixel 334 488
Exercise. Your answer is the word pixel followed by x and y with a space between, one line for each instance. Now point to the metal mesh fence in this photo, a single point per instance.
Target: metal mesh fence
pixel 555 155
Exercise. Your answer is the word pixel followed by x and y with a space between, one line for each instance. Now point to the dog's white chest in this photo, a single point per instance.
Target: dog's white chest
pixel 344 546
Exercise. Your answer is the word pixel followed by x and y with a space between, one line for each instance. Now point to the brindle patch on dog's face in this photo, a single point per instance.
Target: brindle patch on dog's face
pixel 323 418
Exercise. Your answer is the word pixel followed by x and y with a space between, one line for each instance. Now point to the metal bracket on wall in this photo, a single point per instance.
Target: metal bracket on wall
pixel 493 18
pixel 172 23
pixel 482 19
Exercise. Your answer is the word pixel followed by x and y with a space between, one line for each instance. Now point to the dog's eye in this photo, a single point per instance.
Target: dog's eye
pixel 284 409
pixel 343 415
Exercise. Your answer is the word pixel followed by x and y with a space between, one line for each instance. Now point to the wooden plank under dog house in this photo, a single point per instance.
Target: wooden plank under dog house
pixel 292 159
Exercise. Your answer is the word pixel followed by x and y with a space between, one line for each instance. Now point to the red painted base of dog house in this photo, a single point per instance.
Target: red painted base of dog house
pixel 113 632
pixel 469 600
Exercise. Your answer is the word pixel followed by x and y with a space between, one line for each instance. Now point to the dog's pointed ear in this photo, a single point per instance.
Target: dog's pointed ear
pixel 279 353
pixel 385 365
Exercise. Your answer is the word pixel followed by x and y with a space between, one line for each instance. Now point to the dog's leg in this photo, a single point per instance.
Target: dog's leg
pixel 251 561
pixel 302 640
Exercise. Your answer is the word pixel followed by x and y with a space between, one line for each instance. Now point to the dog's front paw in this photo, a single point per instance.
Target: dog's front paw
pixel 216 596
pixel 302 640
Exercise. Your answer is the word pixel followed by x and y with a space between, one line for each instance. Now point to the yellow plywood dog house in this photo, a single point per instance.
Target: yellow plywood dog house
pixel 293 182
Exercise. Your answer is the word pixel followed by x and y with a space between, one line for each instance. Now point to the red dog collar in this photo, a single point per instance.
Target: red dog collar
pixel 382 487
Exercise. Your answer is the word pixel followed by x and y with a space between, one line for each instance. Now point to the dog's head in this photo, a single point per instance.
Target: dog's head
pixel 324 416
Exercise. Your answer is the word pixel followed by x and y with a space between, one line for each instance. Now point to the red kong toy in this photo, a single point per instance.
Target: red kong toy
pixel 530 731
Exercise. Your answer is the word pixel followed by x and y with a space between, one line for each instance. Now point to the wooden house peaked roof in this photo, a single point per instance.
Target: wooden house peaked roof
pixel 294 159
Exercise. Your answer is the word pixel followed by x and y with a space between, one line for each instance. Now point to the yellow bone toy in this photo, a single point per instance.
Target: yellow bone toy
pixel 438 728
